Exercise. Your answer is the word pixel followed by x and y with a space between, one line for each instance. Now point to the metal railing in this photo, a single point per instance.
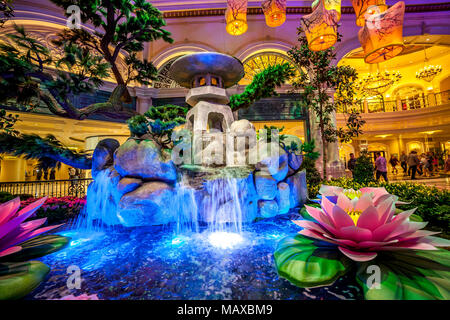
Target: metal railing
pixel 51 188
pixel 410 103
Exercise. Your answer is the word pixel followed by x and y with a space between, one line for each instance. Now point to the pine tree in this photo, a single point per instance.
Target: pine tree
pixel 363 172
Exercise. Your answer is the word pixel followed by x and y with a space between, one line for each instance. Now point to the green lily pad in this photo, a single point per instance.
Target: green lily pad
pixel 38 247
pixel 408 275
pixel 19 279
pixel 305 214
pixel 309 263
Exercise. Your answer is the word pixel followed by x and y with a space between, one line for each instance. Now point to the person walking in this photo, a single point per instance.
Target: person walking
pixel 403 162
pixel 381 167
pixel 447 164
pixel 351 164
pixel 413 162
pixel 394 162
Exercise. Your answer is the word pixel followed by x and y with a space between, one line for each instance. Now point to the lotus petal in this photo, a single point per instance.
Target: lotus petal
pixel 356 233
pixel 9 209
pixel 357 255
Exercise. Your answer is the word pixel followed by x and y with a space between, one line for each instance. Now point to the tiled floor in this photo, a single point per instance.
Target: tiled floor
pixel 441 181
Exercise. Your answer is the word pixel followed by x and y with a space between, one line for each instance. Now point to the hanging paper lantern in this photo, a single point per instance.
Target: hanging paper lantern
pixel 236 17
pixel 274 11
pixel 320 27
pixel 330 5
pixel 382 35
pixel 363 6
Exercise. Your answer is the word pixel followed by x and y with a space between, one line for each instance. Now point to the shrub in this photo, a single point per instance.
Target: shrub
pixel 58 210
pixel 363 172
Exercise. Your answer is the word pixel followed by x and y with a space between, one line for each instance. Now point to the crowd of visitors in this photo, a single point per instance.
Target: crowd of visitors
pixel 425 165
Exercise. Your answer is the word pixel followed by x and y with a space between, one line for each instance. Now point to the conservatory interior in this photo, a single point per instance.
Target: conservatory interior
pixel 225 149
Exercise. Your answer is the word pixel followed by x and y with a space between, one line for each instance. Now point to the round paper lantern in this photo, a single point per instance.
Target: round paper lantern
pixel 363 6
pixel 382 35
pixel 236 17
pixel 274 11
pixel 330 5
pixel 320 27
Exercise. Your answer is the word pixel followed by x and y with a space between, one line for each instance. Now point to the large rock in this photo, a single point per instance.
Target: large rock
pixel 298 189
pixel 241 126
pixel 153 203
pixel 142 159
pixel 283 198
pixel 268 209
pixel 276 166
pixel 266 185
pixel 103 156
pixel 127 185
pixel 295 161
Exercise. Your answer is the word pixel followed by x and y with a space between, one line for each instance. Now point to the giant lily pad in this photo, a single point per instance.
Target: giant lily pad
pixel 19 279
pixel 309 263
pixel 408 275
pixel 37 247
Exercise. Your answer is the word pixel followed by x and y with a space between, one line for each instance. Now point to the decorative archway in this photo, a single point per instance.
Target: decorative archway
pixel 414 145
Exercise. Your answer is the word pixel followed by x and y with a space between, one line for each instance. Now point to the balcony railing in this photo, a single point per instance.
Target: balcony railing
pixel 51 188
pixel 419 101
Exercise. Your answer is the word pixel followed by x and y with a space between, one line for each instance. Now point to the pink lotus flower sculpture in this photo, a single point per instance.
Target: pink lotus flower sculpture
pixel 366 224
pixel 378 194
pixel 13 229
pixel 83 296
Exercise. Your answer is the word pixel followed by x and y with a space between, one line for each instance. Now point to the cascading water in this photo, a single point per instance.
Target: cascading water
pixel 100 209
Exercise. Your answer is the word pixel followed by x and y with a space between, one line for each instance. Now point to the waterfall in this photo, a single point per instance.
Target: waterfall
pixel 100 209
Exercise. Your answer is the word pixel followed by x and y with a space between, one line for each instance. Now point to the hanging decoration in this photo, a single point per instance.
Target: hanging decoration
pixel 362 7
pixel 330 5
pixel 377 83
pixel 428 72
pixel 274 11
pixel 236 17
pixel 320 27
pixel 382 35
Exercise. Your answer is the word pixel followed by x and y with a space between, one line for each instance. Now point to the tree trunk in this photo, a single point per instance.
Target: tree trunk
pixel 324 158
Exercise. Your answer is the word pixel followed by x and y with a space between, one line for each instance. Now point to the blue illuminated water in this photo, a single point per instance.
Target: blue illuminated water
pixel 159 263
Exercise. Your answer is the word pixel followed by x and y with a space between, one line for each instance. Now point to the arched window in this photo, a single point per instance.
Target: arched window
pixel 259 62
pixel 163 81
pixel 411 97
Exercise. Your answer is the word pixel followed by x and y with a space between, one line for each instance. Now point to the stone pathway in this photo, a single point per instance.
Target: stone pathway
pixel 441 181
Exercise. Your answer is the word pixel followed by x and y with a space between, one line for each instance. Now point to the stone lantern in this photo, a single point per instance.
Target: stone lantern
pixel 207 75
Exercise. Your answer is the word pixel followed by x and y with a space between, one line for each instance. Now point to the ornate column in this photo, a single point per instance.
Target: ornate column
pixel 144 97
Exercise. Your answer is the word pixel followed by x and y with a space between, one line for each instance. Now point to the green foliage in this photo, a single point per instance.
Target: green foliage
pixel 313 177
pixel 318 75
pixel 309 263
pixel 6 196
pixel 7 122
pixel 6 11
pixel 158 122
pixel 48 151
pixel 363 172
pixel 262 86
pixel 308 148
pixel 268 131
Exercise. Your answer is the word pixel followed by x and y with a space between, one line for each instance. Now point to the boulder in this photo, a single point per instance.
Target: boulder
pixel 103 156
pixel 142 159
pixel 153 203
pixel 298 189
pixel 241 126
pixel 126 185
pixel 282 198
pixel 266 185
pixel 268 209
pixel 294 161
pixel 276 166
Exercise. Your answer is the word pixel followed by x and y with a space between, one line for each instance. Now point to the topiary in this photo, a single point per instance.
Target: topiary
pixel 363 172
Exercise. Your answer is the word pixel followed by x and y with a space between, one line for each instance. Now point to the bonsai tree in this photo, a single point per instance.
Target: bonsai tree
pixel 318 79
pixel 122 29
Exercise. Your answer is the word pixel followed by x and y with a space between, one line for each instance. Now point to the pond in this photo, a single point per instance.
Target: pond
pixel 156 263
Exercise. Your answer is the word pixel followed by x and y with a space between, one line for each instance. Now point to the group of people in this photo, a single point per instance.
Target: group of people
pixel 426 165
